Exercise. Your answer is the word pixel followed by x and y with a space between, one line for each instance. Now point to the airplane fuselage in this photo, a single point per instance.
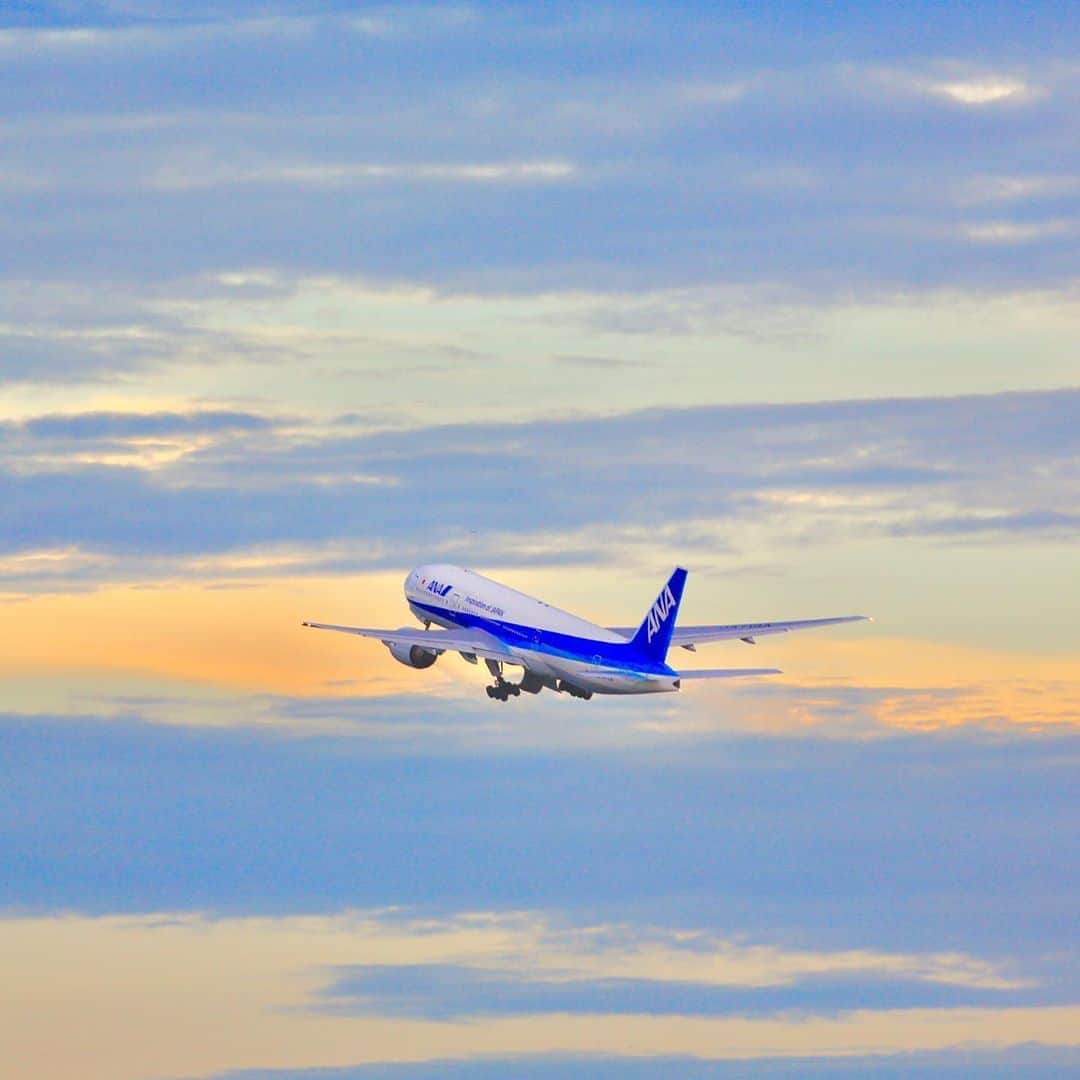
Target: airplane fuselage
pixel 553 645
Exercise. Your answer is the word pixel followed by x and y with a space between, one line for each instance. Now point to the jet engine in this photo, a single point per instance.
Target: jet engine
pixel 413 655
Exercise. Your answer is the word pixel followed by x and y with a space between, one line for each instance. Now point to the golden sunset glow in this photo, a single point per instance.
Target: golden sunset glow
pixel 243 993
pixel 242 637
pixel 248 637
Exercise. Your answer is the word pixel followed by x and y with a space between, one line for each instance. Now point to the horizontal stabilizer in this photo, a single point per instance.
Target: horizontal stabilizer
pixel 728 673
pixel 699 635
pixel 688 636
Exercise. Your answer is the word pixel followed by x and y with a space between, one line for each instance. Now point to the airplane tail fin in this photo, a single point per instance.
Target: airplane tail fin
pixel 653 636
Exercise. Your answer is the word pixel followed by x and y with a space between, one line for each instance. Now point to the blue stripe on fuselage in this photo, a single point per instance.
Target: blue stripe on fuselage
pixel 612 654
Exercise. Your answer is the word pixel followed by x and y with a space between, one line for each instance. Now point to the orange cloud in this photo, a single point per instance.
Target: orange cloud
pixel 249 638
pixel 246 638
pixel 905 683
pixel 210 996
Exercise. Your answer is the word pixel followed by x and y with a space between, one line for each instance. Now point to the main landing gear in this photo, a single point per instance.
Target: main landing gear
pixel 502 690
pixel 574 691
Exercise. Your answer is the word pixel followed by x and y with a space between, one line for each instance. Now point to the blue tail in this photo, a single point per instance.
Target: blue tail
pixel 654 634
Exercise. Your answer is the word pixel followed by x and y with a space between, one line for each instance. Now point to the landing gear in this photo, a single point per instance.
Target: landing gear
pixel 502 690
pixel 574 691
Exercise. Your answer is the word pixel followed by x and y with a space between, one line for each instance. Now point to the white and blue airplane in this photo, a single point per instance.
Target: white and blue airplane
pixel 483 619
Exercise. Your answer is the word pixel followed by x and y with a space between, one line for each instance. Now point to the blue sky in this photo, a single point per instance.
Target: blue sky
pixel 295 296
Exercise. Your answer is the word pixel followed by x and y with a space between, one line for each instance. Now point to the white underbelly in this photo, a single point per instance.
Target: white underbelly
pixel 603 680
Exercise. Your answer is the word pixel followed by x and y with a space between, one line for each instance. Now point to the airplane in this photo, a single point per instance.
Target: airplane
pixel 484 619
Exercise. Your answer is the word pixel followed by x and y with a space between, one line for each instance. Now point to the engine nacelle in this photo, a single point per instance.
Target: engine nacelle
pixel 413 655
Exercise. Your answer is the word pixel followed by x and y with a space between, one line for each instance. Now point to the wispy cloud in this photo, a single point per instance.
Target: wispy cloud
pixel 1009 189
pixel 588 957
pixel 1018 232
pixel 689 149
pixel 273 1022
pixel 201 174
pixel 232 492
pixel 1035 521
pixel 986 90
pixel 684 932
pixel 138 425
pixel 1033 1060
pixel 130 31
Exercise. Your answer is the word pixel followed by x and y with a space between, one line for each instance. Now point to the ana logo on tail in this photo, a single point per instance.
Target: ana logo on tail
pixel 660 611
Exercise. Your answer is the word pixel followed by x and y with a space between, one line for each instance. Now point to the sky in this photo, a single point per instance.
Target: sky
pixel 296 296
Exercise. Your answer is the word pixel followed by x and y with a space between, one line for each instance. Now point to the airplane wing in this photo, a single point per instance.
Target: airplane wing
pixel 728 673
pixel 476 642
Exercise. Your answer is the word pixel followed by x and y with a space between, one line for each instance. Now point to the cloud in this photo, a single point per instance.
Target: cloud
pixel 202 488
pixel 450 991
pixel 207 175
pixel 1032 1059
pixel 1035 521
pixel 894 684
pixel 526 954
pixel 1028 188
pixel 1017 232
pixel 134 425
pixel 957 83
pixel 989 90
pixel 34 358
pixel 251 984
pixel 645 161
pixel 810 845
pixel 512 271
pixel 106 38
pixel 60 340
pixel 610 362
